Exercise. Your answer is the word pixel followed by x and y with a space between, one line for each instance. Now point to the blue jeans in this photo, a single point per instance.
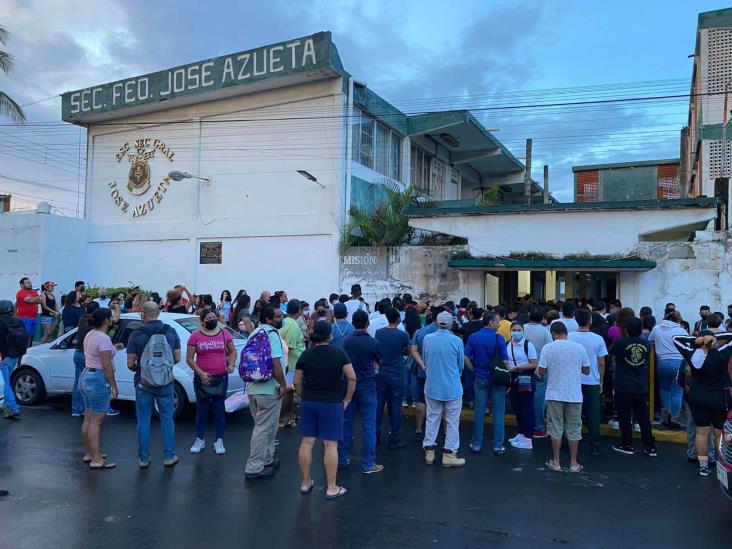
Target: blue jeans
pixel 77 402
pixel 468 385
pixel 540 403
pixel 671 391
pixel 390 391
pixel 498 410
pixel 410 383
pixel 145 397
pixel 7 365
pixel 364 403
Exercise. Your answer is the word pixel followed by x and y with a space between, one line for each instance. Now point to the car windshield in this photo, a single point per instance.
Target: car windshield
pixel 193 323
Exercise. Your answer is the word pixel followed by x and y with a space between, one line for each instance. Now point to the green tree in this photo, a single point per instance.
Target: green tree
pixel 386 225
pixel 8 106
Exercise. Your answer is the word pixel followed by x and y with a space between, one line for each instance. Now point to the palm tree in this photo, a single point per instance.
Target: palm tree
pixel 386 225
pixel 7 105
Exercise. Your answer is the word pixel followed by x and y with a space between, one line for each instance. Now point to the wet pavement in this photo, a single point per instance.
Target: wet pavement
pixel 618 501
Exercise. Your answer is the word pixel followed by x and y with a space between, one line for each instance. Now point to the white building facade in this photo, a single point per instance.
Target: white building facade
pixel 258 126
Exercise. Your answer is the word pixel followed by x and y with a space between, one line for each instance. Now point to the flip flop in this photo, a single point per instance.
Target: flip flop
pixel 341 492
pixel 88 460
pixel 577 470
pixel 310 488
pixel 551 467
pixel 104 465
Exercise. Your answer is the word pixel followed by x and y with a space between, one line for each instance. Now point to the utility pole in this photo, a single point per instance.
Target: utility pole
pixel 723 168
pixel 527 173
pixel 546 184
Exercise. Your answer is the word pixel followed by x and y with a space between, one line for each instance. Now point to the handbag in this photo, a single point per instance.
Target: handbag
pixel 218 386
pixel 216 389
pixel 523 381
pixel 500 376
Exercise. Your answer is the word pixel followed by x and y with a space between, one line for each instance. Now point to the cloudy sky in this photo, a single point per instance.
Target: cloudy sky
pixel 421 55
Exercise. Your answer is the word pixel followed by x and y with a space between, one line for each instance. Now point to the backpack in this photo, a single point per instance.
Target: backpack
pixel 255 362
pixel 15 342
pixel 156 362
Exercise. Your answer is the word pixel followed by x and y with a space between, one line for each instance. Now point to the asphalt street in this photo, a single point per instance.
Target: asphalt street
pixel 511 500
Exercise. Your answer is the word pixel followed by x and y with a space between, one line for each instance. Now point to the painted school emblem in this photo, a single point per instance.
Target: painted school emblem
pixel 139 178
pixel 139 153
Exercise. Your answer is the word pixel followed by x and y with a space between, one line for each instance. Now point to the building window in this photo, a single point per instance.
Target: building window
pixel 668 182
pixel 437 181
pixel 376 146
pixel 420 168
pixel 588 186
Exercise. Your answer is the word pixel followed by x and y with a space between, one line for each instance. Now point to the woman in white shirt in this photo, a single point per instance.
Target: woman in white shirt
pixel 522 360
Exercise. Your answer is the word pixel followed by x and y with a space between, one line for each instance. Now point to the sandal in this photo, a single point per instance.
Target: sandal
pixel 552 467
pixel 577 470
pixel 309 489
pixel 88 460
pixel 341 492
pixel 104 465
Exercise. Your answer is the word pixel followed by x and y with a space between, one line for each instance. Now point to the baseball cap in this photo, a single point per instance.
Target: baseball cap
pixel 47 284
pixel 340 310
pixel 444 319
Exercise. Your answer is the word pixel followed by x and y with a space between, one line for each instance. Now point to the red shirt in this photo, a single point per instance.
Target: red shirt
pixel 26 310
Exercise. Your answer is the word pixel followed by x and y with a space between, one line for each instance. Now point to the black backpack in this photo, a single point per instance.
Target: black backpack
pixel 15 342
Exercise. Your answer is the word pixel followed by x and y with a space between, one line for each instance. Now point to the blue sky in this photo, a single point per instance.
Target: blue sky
pixel 478 52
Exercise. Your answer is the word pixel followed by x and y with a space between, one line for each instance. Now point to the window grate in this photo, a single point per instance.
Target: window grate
pixel 715 157
pixel 719 58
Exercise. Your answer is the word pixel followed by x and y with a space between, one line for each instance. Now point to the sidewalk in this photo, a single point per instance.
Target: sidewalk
pixel 659 434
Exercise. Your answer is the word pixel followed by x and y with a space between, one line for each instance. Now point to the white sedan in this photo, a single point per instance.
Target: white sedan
pixel 48 369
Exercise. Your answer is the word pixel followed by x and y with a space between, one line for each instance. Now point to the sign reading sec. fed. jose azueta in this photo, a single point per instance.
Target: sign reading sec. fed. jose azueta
pixel 302 56
pixel 129 197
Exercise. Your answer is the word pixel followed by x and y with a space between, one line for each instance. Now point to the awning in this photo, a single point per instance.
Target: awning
pixel 584 265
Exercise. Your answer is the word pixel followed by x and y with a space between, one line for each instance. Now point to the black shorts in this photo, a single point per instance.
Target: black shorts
pixel 420 390
pixel 708 409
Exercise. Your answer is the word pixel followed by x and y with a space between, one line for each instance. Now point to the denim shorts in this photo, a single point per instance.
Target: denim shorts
pixel 323 420
pixel 48 320
pixel 95 390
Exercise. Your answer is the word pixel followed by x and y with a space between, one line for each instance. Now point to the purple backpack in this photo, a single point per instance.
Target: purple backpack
pixel 255 362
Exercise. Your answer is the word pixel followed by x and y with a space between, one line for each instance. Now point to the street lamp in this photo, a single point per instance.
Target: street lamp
pixel 176 175
pixel 307 175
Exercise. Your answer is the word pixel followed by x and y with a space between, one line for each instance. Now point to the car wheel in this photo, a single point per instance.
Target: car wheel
pixel 180 401
pixel 28 387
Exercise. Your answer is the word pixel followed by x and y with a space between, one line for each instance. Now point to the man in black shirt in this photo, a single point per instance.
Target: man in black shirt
pixel 13 340
pixel 393 344
pixel 631 388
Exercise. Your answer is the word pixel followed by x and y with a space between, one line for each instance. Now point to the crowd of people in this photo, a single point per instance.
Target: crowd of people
pixel 561 365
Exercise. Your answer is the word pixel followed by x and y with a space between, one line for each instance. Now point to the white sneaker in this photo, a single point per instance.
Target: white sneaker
pixel 613 423
pixel 517 438
pixel 198 446
pixel 219 447
pixel 524 444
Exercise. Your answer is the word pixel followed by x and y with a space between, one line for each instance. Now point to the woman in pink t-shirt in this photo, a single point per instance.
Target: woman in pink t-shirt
pixel 211 355
pixel 97 385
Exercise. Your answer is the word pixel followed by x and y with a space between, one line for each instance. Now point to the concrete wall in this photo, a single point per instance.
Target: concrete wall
pixel 687 274
pixel 42 247
pixel 604 232
pixel 419 270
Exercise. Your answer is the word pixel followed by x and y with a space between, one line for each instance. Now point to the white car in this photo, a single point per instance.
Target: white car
pixel 48 369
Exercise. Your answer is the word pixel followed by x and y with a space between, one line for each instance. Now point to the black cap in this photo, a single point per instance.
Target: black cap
pixel 322 328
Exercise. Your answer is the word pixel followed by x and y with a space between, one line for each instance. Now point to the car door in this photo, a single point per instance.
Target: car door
pixel 59 358
pixel 123 375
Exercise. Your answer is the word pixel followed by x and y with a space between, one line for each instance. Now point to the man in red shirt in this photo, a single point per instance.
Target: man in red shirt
pixel 26 306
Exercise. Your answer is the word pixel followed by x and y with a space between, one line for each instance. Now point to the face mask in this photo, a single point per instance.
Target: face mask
pixel 305 311
pixel 211 324
pixel 321 313
pixel 517 336
pixel 103 296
